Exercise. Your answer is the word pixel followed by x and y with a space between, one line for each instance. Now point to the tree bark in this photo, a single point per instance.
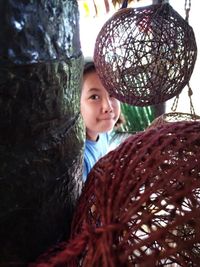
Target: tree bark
pixel 41 132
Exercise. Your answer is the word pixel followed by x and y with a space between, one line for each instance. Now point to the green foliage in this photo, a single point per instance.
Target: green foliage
pixel 136 119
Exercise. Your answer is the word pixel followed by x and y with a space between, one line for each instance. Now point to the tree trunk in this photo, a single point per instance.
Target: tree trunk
pixel 41 132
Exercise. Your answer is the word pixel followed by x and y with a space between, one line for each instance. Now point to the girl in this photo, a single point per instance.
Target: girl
pixel 100 112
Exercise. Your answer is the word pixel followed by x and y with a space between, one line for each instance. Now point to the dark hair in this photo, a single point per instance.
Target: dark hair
pixel 120 121
pixel 89 67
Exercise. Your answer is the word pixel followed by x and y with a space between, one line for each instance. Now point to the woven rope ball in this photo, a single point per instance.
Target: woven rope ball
pixel 145 56
pixel 141 204
pixel 173 117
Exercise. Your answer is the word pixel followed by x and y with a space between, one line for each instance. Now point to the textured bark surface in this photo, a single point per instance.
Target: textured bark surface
pixel 41 132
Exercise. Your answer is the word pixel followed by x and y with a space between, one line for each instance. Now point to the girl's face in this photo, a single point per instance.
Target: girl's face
pixel 99 110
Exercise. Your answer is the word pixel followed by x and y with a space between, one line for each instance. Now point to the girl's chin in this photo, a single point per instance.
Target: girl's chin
pixel 104 126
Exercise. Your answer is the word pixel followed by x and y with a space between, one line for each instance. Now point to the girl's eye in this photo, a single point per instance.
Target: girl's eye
pixel 94 97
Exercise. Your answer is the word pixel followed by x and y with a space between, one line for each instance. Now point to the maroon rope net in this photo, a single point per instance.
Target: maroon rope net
pixel 174 117
pixel 145 56
pixel 141 204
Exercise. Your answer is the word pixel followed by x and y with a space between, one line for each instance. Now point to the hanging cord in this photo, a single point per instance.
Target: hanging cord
pixel 190 93
pixel 107 6
pixel 187 9
pixel 95 8
pixel 124 4
pixel 175 104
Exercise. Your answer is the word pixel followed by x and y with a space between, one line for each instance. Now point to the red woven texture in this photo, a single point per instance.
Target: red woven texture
pixel 173 117
pixel 145 55
pixel 141 203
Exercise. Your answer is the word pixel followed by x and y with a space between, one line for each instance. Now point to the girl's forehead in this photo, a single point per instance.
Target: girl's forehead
pixel 93 84
pixel 92 80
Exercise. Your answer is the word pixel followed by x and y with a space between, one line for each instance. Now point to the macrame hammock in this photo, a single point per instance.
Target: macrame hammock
pixel 140 205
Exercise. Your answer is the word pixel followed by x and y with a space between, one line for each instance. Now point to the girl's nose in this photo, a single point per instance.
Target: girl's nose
pixel 107 106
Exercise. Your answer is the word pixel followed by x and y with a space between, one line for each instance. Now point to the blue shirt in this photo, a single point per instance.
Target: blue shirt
pixel 94 150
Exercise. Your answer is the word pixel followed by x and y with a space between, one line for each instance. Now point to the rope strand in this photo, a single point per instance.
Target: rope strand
pixel 187 9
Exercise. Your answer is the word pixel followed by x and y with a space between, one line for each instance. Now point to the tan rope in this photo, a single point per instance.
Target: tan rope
pixel 187 9
pixel 175 103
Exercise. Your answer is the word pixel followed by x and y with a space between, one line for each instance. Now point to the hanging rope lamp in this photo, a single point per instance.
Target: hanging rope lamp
pixel 145 56
pixel 141 204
